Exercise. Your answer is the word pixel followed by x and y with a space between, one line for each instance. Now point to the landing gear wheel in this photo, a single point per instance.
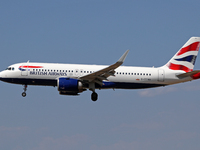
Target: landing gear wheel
pixel 25 88
pixel 23 94
pixel 94 96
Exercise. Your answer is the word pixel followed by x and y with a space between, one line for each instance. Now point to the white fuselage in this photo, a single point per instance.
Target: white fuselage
pixel 48 73
pixel 72 79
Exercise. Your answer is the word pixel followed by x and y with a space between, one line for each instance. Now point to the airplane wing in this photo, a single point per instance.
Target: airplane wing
pixel 103 74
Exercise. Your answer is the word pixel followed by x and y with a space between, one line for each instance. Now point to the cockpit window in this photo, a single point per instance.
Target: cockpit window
pixel 10 68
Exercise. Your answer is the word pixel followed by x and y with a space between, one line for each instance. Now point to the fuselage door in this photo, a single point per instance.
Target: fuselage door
pixel 161 75
pixel 24 69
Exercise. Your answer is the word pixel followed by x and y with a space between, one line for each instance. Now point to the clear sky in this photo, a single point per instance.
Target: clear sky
pixel 98 32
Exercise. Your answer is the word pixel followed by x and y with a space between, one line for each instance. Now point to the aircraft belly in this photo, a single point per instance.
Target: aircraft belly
pixel 128 85
pixel 47 82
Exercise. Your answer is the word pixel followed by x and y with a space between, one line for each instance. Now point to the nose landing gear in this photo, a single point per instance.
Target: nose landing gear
pixel 24 93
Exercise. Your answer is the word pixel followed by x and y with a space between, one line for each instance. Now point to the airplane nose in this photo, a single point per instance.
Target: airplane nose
pixel 2 75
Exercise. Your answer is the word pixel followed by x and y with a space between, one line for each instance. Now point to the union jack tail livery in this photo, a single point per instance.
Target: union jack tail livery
pixel 185 58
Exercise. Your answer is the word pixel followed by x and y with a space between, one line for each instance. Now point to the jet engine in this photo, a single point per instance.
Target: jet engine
pixel 69 86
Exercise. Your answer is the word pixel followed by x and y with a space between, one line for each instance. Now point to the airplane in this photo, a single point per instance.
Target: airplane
pixel 72 79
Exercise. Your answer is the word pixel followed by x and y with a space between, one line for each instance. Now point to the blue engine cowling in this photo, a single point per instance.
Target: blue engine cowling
pixel 69 85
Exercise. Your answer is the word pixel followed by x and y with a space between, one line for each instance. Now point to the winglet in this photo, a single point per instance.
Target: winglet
pixel 123 57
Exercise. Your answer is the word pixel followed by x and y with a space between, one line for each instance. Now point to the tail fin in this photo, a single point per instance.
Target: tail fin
pixel 185 58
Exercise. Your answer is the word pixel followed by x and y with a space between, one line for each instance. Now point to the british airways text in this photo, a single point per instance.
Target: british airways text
pixel 48 73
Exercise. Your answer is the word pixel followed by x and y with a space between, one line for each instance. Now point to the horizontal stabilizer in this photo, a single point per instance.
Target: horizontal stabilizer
pixel 188 74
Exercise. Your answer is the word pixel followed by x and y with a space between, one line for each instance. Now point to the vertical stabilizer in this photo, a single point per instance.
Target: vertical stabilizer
pixel 185 58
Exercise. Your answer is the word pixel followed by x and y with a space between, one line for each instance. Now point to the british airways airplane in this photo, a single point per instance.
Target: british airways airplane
pixel 72 79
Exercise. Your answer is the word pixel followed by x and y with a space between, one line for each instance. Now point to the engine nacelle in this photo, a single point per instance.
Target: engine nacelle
pixel 69 85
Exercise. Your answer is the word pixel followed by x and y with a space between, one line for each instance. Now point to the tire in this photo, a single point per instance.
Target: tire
pixel 24 94
pixel 94 96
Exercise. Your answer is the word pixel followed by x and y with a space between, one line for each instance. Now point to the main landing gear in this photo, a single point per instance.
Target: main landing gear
pixel 94 96
pixel 24 93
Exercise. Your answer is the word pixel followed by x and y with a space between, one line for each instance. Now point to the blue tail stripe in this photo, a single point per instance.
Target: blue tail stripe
pixel 190 59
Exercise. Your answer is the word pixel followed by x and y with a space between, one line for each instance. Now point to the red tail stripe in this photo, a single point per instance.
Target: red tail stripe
pixel 179 67
pixel 196 76
pixel 191 47
pixel 30 67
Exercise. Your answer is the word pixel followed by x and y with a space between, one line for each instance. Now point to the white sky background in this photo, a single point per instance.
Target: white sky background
pixel 98 32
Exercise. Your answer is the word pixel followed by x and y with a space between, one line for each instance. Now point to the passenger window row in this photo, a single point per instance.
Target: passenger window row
pixel 61 70
pixel 51 70
pixel 118 73
pixel 125 73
